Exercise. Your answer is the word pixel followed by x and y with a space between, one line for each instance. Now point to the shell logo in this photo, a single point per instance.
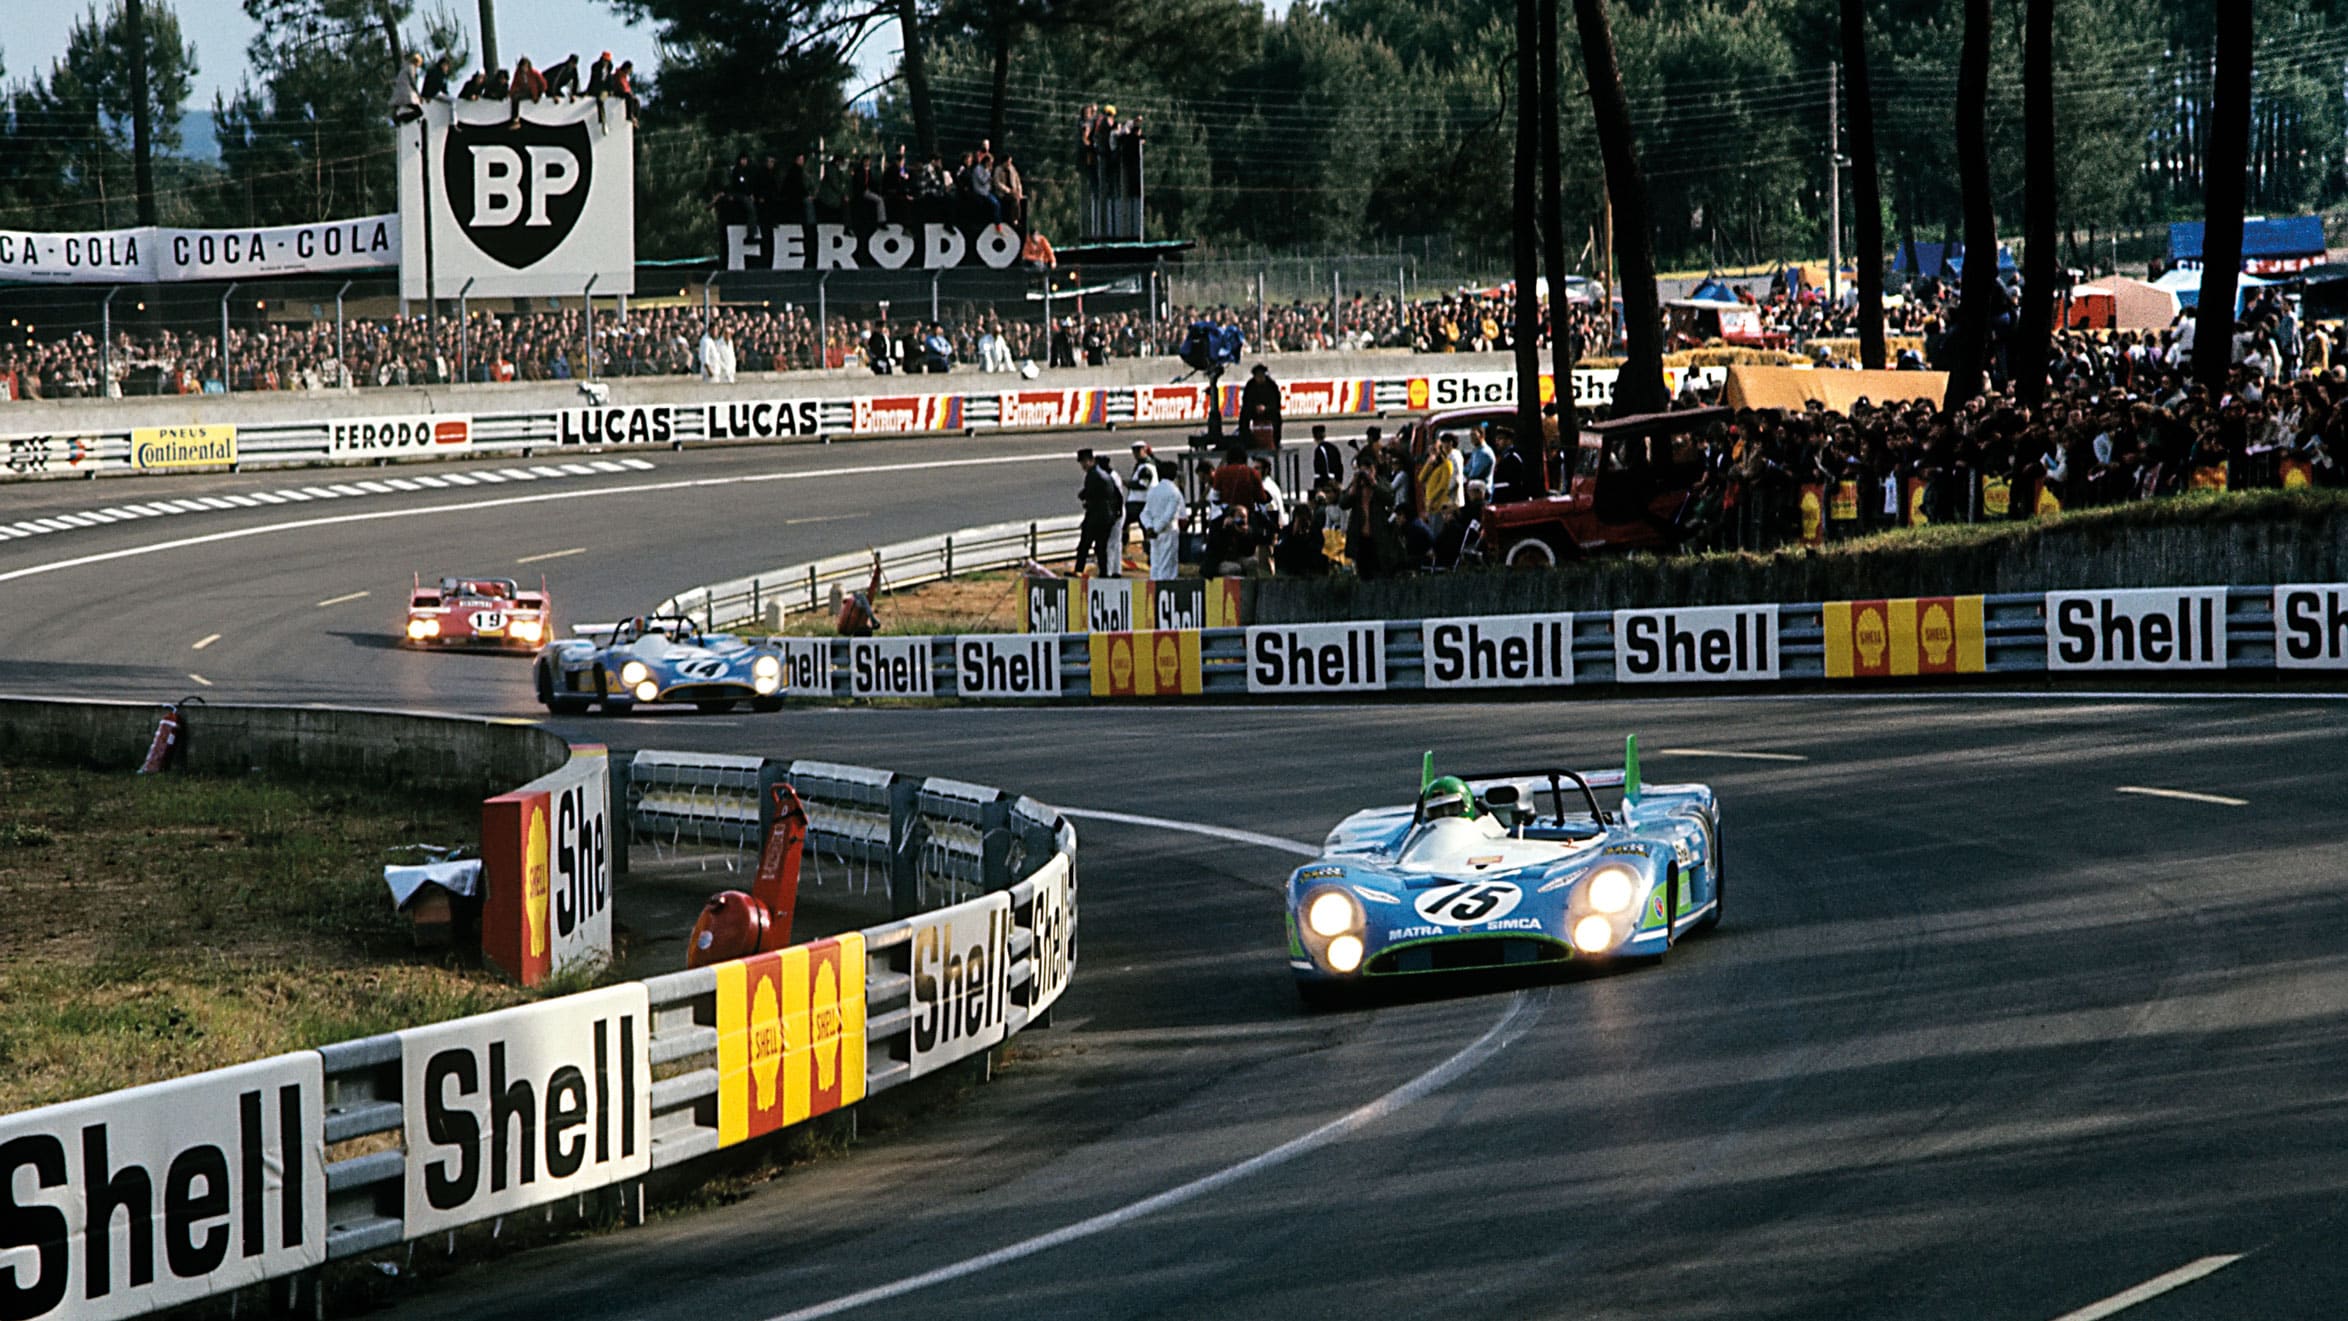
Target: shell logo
pixel 1869 635
pixel 1938 633
pixel 769 1040
pixel 824 1027
pixel 535 881
pixel 1813 516
pixel 1417 393
pixel 1169 658
pixel 1121 664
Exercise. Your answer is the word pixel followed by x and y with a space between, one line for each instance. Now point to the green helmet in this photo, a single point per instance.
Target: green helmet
pixel 1447 796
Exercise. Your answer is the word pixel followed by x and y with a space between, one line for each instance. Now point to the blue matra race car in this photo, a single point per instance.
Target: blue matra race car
pixel 1505 870
pixel 653 659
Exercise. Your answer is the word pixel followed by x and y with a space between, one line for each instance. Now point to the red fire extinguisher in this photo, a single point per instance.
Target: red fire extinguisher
pixel 735 925
pixel 170 732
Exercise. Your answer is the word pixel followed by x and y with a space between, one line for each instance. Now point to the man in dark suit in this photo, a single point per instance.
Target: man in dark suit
pixel 1328 460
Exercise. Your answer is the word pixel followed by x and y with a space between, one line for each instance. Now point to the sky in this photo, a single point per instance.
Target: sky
pixel 35 34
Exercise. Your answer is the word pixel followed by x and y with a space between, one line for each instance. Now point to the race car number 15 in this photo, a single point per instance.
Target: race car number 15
pixel 1467 903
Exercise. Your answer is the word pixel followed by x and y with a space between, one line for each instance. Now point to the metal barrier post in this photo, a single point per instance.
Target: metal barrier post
pixel 227 370
pixel 904 853
pixel 949 557
pixel 755 611
pixel 994 859
pixel 812 601
pixel 106 343
pixel 464 328
pixel 587 320
pixel 342 357
pixel 619 798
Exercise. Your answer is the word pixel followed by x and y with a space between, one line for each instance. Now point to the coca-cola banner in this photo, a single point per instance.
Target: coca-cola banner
pixel 152 254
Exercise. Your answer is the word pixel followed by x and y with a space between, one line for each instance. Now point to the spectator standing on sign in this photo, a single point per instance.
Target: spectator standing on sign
pixel 1259 405
pixel 1104 507
pixel 1161 520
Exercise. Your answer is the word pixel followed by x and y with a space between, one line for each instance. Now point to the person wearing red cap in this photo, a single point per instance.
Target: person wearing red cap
pixel 599 82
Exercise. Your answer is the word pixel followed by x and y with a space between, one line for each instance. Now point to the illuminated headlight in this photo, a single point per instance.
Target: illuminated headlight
pixel 423 628
pixel 529 630
pixel 647 690
pixel 634 674
pixel 1593 934
pixel 1345 953
pixel 766 683
pixel 766 667
pixel 1611 889
pixel 1331 913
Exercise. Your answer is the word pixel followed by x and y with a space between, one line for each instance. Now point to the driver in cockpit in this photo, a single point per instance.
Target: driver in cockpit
pixel 1448 796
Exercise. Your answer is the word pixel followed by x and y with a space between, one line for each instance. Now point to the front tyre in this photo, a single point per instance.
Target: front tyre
pixel 717 708
pixel 1326 996
pixel 766 704
pixel 1719 884
pixel 613 704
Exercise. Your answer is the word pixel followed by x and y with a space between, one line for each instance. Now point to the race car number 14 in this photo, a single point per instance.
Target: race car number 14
pixel 1468 903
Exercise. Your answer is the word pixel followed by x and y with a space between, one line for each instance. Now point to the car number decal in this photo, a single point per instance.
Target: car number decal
pixel 1466 903
pixel 702 668
pixel 488 619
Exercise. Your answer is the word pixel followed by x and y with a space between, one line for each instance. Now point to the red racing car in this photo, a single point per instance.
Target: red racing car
pixel 478 612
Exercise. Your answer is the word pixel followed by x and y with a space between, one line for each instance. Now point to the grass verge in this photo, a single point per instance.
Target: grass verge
pixel 156 926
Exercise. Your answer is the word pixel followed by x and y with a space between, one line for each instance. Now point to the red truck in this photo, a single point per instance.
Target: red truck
pixel 1622 488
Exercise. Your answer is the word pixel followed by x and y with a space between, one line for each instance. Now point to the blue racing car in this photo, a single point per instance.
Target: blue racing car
pixel 657 659
pixel 1505 870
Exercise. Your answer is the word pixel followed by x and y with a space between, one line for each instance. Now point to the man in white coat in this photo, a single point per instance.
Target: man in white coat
pixel 1161 522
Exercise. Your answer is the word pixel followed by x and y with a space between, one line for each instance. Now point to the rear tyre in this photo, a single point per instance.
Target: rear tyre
pixel 1531 553
pixel 558 703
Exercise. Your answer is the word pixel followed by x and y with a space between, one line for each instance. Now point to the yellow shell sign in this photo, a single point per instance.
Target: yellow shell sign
pixel 536 881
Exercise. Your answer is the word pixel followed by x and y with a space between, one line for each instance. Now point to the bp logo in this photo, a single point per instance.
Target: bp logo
pixel 518 192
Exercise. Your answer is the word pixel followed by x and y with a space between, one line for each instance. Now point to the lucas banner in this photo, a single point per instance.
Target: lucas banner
pixel 155 254
pixel 1155 663
pixel 790 1036
pixel 1904 638
pixel 530 211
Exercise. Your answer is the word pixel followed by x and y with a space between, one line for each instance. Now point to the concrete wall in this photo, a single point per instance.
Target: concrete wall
pixel 2253 548
pixel 456 754
pixel 71 415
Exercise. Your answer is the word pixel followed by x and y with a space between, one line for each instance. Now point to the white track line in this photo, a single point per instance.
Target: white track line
pixel 2152 1288
pixel 2183 795
pixel 469 506
pixel 338 600
pixel 1734 756
pixel 1296 847
pixel 199 678
pixel 205 641
pixel 552 555
pixel 1513 1022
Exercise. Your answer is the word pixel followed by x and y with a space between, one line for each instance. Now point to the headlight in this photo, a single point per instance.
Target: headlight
pixel 634 674
pixel 767 667
pixel 647 690
pixel 1611 889
pixel 1345 953
pixel 1331 913
pixel 766 683
pixel 529 630
pixel 1593 934
pixel 423 628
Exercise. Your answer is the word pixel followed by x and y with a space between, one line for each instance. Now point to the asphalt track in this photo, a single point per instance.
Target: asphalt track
pixel 1982 1036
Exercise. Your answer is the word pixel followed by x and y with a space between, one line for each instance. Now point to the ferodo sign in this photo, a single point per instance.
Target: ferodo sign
pixel 142 1199
pixel 1009 666
pixel 547 851
pixel 790 1036
pixel 387 436
pixel 961 970
pixel 1696 644
pixel 890 667
pixel 2150 628
pixel 525 1106
pixel 1316 658
pixel 1507 651
pixel 2311 626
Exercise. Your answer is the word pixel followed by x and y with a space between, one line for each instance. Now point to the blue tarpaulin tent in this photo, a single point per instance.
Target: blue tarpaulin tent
pixel 2262 240
pixel 1944 260
pixel 1713 290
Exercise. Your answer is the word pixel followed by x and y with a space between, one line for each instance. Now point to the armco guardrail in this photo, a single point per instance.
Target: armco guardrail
pixel 766 597
pixel 271 1169
pixel 64 450
pixel 2292 627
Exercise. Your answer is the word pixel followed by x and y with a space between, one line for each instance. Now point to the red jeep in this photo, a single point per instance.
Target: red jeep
pixel 1625 489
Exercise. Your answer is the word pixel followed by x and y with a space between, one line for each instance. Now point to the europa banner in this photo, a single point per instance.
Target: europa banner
pixel 537 209
pixel 154 254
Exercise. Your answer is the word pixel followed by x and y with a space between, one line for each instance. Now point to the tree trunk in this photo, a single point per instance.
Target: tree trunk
pixel 2222 186
pixel 1639 388
pixel 1866 186
pixel 142 113
pixel 1527 230
pixel 1978 294
pixel 2032 334
pixel 925 124
pixel 1561 345
pixel 998 109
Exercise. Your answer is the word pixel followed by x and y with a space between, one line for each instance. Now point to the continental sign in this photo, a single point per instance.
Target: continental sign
pixel 1153 663
pixel 153 448
pixel 1132 605
pixel 790 1036
pixel 1904 638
